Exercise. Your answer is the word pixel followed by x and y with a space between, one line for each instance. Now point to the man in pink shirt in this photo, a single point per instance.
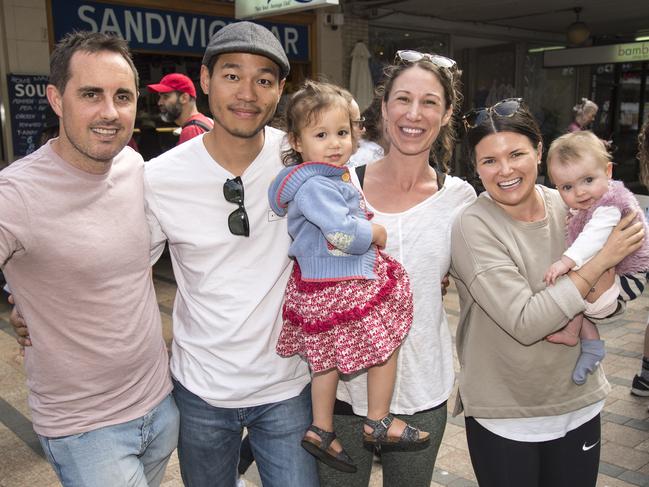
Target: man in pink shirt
pixel 74 246
pixel 177 104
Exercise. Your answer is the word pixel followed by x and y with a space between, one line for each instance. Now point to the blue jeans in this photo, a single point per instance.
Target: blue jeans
pixel 131 454
pixel 210 438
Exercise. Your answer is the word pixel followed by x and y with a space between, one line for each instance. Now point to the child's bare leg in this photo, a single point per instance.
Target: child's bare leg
pixel 380 386
pixel 569 334
pixel 323 397
pixel 588 330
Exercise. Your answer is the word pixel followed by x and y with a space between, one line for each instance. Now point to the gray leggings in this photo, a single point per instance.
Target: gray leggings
pixel 400 468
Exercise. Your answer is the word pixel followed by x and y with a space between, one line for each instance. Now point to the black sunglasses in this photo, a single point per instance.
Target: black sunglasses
pixel 238 220
pixel 504 108
pixel 408 56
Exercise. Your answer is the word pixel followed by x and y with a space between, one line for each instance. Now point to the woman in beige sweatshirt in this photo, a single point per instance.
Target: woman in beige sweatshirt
pixel 527 423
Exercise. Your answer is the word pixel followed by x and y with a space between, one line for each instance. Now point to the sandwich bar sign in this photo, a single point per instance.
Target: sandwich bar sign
pixel 250 9
pixel 165 31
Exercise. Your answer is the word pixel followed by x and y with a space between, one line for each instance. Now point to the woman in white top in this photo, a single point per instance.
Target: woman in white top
pixel 416 204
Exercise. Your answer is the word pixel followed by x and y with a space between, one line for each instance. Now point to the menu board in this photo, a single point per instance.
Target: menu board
pixel 28 104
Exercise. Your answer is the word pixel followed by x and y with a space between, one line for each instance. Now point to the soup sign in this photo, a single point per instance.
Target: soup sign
pixel 27 110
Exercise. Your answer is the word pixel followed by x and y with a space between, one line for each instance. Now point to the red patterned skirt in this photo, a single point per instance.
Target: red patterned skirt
pixel 347 325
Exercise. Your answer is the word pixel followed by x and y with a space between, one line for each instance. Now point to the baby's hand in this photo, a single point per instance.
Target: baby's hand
pixel 379 235
pixel 557 269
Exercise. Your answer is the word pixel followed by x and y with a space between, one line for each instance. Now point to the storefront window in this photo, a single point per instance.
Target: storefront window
pixel 550 94
pixel 620 90
pixel 385 42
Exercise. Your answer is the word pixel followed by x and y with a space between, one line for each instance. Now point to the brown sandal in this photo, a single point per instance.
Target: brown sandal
pixel 321 449
pixel 411 438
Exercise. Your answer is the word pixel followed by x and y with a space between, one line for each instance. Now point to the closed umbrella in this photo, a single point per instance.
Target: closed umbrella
pixel 360 79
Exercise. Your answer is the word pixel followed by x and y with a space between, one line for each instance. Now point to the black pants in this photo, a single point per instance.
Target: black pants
pixel 571 461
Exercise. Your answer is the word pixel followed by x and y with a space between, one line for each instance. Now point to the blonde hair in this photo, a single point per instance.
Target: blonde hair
pixel 573 146
pixel 306 105
pixel 584 106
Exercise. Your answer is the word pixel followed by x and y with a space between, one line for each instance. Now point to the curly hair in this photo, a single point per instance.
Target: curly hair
pixel 442 149
pixel 373 120
pixel 305 106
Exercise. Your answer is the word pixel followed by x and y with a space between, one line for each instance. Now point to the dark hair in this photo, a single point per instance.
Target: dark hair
pixel 520 122
pixel 643 153
pixel 374 121
pixel 304 106
pixel 88 42
pixel 442 148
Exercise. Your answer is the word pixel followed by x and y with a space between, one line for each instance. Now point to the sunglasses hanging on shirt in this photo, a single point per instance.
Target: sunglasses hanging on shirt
pixel 237 220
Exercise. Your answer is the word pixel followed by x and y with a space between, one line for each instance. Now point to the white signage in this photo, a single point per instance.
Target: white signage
pixel 252 9
pixel 614 53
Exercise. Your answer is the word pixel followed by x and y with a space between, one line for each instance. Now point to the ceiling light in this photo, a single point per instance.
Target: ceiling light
pixel 578 32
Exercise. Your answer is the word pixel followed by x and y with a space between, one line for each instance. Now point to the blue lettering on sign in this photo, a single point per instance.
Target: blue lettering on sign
pixel 163 30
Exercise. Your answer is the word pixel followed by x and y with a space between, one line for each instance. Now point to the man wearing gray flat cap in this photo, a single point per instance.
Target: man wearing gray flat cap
pixel 207 199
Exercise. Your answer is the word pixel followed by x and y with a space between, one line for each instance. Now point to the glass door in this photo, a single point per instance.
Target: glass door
pixel 631 108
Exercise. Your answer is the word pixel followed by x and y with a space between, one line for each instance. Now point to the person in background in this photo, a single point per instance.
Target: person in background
pixel 633 286
pixel 372 140
pixel 74 246
pixel 177 104
pixel 584 114
pixel 527 422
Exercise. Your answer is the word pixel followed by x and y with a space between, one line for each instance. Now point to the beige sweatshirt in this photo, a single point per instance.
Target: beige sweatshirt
pixel 508 369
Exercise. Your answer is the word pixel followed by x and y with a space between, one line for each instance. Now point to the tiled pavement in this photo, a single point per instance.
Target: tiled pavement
pixel 625 445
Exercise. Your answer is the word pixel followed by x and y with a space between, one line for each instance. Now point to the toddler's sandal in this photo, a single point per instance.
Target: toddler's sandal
pixel 322 450
pixel 411 438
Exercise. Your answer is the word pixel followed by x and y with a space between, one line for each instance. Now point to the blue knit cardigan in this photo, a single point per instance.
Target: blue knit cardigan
pixel 332 236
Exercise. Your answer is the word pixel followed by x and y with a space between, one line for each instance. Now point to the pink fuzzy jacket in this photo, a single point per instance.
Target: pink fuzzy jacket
pixel 623 199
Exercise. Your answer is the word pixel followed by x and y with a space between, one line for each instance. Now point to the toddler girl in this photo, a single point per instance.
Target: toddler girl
pixel 348 306
pixel 581 168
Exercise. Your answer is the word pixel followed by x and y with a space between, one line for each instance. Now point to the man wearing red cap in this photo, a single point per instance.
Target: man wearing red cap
pixel 177 104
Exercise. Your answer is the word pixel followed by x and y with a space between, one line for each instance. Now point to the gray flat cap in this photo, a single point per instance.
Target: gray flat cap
pixel 250 38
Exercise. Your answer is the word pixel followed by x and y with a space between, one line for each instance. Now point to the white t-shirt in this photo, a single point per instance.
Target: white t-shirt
pixel 227 311
pixel 367 153
pixel 541 428
pixel 419 238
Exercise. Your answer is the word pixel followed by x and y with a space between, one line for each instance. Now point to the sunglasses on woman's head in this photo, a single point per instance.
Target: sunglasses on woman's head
pixel 504 108
pixel 238 219
pixel 408 56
